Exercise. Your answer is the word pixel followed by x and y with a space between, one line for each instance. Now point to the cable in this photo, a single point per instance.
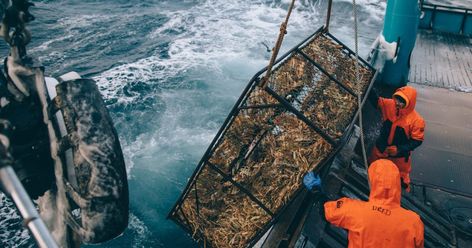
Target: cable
pixel 359 89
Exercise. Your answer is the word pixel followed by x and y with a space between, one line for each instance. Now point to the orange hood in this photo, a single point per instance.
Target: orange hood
pixel 384 180
pixel 409 94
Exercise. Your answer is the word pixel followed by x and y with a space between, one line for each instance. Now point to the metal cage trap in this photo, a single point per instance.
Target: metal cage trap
pixel 274 135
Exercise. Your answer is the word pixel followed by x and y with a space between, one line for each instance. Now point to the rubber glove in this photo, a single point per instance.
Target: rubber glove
pixel 311 180
pixel 392 150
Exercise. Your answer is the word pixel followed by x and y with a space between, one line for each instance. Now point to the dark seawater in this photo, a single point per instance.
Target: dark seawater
pixel 170 72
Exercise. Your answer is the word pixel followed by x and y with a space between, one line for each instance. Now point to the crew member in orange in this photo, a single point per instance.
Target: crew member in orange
pixel 402 130
pixel 380 221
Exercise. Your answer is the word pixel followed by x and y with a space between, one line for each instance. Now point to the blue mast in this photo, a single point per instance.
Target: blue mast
pixel 401 26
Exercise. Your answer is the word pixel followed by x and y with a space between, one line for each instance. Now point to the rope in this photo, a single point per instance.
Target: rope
pixel 359 89
pixel 328 14
pixel 278 44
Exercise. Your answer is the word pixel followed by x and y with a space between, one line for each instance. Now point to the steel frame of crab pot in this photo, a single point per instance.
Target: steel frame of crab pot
pixel 282 104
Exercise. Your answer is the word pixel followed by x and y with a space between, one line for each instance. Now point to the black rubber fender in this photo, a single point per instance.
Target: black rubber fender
pixel 101 189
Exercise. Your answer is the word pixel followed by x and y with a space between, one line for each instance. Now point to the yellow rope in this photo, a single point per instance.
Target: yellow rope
pixel 278 44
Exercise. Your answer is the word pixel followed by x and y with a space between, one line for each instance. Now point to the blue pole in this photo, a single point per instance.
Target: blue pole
pixel 400 24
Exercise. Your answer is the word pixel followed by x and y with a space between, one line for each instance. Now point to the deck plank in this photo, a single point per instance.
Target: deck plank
pixel 458 72
pixel 442 60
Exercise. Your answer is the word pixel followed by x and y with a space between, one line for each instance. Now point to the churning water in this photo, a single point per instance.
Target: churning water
pixel 170 72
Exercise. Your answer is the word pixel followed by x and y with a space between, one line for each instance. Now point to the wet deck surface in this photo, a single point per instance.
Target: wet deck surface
pixel 443 163
pixel 442 60
pixel 445 157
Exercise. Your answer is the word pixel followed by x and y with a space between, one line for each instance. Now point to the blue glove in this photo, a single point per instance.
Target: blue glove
pixel 312 180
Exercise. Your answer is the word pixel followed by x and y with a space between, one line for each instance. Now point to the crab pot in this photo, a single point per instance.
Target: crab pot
pixel 273 136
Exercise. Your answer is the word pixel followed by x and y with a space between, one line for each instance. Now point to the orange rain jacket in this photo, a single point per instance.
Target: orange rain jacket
pixel 381 221
pixel 403 128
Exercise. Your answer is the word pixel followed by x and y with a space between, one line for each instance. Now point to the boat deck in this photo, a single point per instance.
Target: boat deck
pixel 442 60
pixel 445 157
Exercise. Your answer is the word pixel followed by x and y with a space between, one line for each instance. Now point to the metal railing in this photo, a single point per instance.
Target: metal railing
pixel 450 19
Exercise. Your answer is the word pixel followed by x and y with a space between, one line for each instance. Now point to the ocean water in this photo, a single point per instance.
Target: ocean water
pixel 170 71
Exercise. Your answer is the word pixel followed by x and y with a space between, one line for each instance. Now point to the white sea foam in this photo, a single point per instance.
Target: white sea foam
pixel 214 31
pixel 173 140
pixel 10 220
pixel 216 37
pixel 375 9
pixel 141 230
pixel 221 43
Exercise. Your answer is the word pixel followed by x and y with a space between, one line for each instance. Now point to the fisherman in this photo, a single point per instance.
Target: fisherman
pixel 380 221
pixel 402 130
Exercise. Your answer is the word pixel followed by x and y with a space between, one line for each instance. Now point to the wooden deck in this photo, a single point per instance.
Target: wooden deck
pixel 442 60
